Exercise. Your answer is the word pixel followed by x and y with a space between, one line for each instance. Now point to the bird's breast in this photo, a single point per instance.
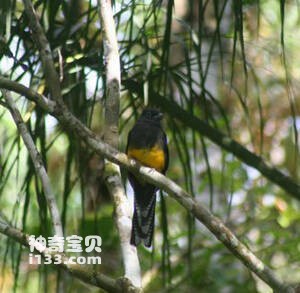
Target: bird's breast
pixel 153 158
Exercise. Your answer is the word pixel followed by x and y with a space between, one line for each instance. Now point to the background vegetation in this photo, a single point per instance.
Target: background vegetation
pixel 233 64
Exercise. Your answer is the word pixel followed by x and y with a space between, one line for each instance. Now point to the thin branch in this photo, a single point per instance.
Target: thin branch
pixel 37 162
pixel 214 224
pixel 111 136
pixel 83 273
pixel 51 76
pixel 30 94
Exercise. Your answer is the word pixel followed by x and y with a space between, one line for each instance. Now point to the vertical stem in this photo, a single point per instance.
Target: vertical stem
pixel 111 136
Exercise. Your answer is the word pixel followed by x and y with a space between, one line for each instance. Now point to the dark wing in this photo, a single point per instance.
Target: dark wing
pixel 166 151
pixel 128 141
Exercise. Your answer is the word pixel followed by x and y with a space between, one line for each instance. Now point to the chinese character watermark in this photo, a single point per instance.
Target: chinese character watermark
pixel 73 243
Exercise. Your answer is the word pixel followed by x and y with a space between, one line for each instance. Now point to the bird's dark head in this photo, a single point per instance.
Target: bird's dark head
pixel 152 115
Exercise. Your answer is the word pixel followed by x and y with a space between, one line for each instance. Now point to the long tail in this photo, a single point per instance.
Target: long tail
pixel 144 215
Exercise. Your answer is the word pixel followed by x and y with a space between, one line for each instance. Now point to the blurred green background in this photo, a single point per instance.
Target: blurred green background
pixel 234 64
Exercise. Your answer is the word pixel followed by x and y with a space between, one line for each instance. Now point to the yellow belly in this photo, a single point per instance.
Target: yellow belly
pixel 154 158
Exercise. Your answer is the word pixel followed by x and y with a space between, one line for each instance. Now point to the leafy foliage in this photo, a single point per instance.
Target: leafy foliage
pixel 232 64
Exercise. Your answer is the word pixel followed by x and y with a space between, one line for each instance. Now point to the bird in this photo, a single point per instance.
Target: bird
pixel 147 144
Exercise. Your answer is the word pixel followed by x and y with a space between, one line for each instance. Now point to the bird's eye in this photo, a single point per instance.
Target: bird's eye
pixel 158 116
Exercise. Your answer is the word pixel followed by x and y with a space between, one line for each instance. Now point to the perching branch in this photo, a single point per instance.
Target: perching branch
pixel 37 163
pixel 84 273
pixel 214 224
pixel 111 136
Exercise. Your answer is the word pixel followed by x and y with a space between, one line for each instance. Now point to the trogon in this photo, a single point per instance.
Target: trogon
pixel 147 144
